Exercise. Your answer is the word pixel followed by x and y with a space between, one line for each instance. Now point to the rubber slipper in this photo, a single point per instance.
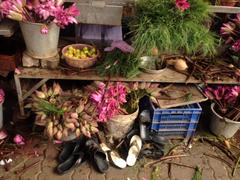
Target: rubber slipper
pixel 135 148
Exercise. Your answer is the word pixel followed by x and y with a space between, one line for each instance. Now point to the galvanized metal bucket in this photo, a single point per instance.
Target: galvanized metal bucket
pixel 40 45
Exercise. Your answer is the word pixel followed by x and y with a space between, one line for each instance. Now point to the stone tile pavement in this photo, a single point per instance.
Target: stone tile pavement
pixel 43 168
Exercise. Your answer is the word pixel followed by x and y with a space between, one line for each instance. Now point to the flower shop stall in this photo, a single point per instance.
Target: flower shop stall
pixel 135 94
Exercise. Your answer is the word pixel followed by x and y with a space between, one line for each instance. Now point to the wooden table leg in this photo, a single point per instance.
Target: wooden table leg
pixel 20 95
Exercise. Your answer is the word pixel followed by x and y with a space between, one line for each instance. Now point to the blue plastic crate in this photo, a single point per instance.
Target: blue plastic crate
pixel 180 122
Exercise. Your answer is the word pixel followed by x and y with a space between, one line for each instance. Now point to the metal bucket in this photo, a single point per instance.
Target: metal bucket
pixel 40 45
pixel 221 126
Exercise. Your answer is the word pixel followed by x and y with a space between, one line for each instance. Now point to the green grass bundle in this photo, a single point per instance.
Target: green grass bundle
pixel 161 24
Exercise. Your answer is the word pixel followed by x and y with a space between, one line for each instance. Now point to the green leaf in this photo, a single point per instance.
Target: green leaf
pixel 198 174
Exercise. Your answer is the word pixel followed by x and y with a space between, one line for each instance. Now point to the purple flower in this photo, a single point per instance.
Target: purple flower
pixel 121 45
pixel 236 46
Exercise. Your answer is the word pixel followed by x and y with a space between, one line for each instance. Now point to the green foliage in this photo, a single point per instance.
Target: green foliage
pixel 160 24
pixel 116 63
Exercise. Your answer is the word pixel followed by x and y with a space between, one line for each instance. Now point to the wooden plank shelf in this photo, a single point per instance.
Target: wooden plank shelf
pixel 225 9
pixel 167 76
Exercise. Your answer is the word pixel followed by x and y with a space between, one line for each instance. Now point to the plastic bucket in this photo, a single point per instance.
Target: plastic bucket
pixel 221 126
pixel 40 45
pixel 1 116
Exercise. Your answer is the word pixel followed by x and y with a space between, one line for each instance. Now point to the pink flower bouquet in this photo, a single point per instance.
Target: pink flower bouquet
pixel 39 11
pixel 227 99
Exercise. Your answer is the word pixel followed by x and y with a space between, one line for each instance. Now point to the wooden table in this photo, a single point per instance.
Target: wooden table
pixel 167 76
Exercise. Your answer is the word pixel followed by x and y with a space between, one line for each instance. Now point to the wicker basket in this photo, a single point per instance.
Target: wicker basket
pixel 80 63
pixel 118 126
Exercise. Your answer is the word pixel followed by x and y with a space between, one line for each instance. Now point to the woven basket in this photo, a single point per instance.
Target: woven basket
pixel 80 63
pixel 118 126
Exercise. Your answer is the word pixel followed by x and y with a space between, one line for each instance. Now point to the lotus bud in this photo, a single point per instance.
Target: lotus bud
pixel 180 65
pixel 155 51
pixel 154 100
pixel 59 126
pixel 80 108
pixel 55 130
pixel 78 132
pixel 135 86
pixel 94 129
pixel 59 135
pixel 69 125
pixel 74 115
pixel 76 124
pixel 44 89
pixel 50 92
pixel 142 85
pixel 65 132
pixel 56 89
pixel 59 2
pixel 40 94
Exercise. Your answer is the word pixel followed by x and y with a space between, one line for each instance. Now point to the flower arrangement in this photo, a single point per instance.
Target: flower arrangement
pixel 40 11
pixel 173 26
pixel 2 96
pixel 78 112
pixel 227 99
pixel 230 33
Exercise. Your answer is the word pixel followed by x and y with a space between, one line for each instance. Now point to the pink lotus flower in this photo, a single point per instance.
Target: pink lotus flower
pixel 2 96
pixel 236 46
pixel 237 19
pixel 18 139
pixel 182 5
pixel 227 29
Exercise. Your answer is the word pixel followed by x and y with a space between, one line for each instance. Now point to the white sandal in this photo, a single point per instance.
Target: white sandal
pixel 135 148
pixel 114 157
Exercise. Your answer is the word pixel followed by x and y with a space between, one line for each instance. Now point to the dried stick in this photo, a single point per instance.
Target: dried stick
pixel 219 158
pixel 180 164
pixel 164 158
pixel 236 166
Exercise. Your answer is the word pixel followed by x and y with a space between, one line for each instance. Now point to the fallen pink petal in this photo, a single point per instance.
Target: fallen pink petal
pixel 3 134
pixel 19 140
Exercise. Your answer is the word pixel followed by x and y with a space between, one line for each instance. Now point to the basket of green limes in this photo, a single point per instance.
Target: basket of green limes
pixel 80 55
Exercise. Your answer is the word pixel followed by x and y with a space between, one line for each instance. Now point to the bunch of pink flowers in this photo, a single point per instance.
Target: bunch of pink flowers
pixel 109 99
pixel 226 97
pixel 182 5
pixel 230 32
pixel 2 96
pixel 40 11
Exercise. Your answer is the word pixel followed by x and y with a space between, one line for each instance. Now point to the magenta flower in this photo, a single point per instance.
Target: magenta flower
pixel 121 45
pixel 182 5
pixel 2 96
pixel 18 139
pixel 227 29
pixel 236 46
pixel 108 100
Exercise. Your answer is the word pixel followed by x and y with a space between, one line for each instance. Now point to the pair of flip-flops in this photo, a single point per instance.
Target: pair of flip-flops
pixel 133 152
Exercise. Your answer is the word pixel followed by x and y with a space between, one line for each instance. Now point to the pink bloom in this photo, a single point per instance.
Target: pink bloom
pixel 227 29
pixel 2 96
pixel 18 139
pixel 182 5
pixel 44 29
pixel 97 97
pixel 17 71
pixel 121 45
pixel 236 46
pixel 237 19
pixel 3 134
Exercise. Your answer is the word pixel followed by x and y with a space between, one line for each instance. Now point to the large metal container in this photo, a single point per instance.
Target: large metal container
pixel 40 45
